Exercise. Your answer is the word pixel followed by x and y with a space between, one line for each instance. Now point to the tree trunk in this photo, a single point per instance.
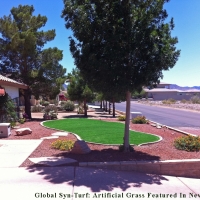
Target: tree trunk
pixel 113 108
pixel 109 108
pixel 85 108
pixel 101 105
pixel 106 106
pixel 126 131
pixel 27 103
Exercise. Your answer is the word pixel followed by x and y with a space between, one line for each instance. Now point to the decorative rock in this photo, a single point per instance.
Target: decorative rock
pixel 80 147
pixel 49 137
pixel 23 131
pixel 60 134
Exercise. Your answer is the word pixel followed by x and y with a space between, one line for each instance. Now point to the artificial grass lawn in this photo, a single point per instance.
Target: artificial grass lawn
pixel 98 131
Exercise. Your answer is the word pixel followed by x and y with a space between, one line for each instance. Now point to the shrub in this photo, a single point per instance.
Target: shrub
pixel 184 101
pixel 45 103
pixel 121 148
pixel 122 118
pixel 63 145
pixel 195 100
pixel 36 108
pixel 187 143
pixel 7 109
pixel 139 120
pixel 169 101
pixel 22 120
pixel 69 106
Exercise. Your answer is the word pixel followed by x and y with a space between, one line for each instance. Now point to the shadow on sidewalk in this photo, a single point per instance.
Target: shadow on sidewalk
pixel 97 179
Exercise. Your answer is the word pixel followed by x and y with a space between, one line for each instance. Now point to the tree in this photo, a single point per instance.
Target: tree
pixel 121 45
pixel 22 55
pixel 78 90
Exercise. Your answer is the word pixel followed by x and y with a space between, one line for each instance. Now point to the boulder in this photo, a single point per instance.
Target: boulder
pixel 23 131
pixel 80 147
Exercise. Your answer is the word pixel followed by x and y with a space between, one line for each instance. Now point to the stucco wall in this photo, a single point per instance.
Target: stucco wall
pixel 13 92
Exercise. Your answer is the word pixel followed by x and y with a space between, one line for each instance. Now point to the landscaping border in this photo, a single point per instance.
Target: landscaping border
pixel 183 168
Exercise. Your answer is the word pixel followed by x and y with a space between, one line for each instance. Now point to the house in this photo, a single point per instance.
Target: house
pixel 11 87
pixel 163 91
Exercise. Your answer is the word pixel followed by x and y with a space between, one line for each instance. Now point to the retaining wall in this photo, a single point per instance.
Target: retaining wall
pixel 183 168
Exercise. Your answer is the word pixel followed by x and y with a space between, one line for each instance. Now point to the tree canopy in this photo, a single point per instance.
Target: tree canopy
pixel 23 57
pixel 78 90
pixel 121 45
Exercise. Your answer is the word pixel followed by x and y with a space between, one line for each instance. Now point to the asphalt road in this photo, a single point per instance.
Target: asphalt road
pixel 166 116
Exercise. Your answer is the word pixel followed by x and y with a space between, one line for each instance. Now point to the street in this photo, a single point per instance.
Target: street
pixel 163 115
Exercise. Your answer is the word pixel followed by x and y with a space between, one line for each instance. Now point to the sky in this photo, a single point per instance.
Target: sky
pixel 186 14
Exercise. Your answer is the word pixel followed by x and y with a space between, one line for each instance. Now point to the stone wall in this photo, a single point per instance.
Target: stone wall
pixel 183 168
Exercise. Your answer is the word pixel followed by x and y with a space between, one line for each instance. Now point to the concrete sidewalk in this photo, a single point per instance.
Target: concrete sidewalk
pixel 90 183
pixel 14 152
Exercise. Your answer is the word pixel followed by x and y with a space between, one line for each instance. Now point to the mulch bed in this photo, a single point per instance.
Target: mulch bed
pixel 163 150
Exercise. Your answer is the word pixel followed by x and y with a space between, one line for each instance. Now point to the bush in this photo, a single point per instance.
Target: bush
pixel 63 145
pixel 184 101
pixel 22 120
pixel 121 148
pixel 139 120
pixel 187 143
pixel 69 106
pixel 36 108
pixel 45 103
pixel 195 100
pixel 122 118
pixel 169 101
pixel 7 109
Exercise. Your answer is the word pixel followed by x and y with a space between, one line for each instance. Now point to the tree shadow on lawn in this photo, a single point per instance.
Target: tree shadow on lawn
pixel 97 179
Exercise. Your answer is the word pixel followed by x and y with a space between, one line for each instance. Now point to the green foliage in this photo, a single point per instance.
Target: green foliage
pixel 22 55
pixel 139 120
pixel 36 108
pixel 195 100
pixel 120 46
pixel 187 143
pixel 69 106
pixel 121 148
pixel 50 112
pixel 121 118
pixel 78 89
pixel 45 103
pixel 63 145
pixel 141 94
pixel 22 120
pixel 7 109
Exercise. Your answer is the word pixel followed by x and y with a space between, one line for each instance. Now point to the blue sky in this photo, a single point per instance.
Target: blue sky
pixel 186 14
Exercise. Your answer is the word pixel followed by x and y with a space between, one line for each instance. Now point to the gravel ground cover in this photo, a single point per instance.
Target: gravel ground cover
pixel 163 150
pixel 178 105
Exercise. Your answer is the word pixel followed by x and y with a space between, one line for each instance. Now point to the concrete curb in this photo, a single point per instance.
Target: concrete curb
pixel 184 168
pixel 174 129
pixel 168 127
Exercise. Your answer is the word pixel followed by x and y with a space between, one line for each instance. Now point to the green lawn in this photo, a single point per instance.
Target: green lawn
pixel 100 131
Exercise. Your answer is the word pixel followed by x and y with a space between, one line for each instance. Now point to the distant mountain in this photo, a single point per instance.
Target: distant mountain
pixel 174 86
